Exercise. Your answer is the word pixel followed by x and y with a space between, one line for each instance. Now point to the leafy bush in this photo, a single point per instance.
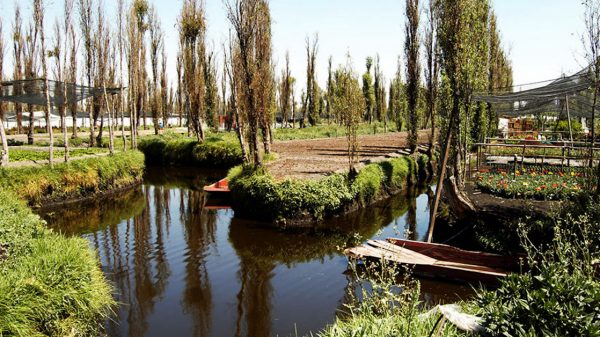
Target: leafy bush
pixel 13 142
pixel 219 152
pixel 368 183
pixel 76 179
pixel 563 126
pixel 559 297
pixel 258 195
pixel 50 285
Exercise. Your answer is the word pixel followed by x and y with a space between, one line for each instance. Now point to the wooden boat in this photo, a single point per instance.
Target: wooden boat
pixel 438 261
pixel 220 187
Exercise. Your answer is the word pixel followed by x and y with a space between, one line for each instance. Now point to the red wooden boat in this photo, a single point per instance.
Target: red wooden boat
pixel 221 187
pixel 438 261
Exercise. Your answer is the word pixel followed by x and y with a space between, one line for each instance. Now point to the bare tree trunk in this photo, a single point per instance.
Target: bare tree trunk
pixel 593 126
pixel 4 157
pixel 19 116
pixel 240 134
pixel 266 135
pixel 111 139
pixel 47 111
pixel 63 119
pixel 31 125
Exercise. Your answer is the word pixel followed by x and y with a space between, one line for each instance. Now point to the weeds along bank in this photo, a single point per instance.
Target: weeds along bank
pixel 293 202
pixel 51 285
pixel 43 185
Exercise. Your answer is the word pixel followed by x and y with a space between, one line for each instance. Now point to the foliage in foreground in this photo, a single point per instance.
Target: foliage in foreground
pixel 379 306
pixel 219 150
pixel 76 179
pixel 257 195
pixel 50 285
pixel 560 296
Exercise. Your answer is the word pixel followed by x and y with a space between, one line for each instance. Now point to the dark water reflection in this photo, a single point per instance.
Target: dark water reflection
pixel 182 270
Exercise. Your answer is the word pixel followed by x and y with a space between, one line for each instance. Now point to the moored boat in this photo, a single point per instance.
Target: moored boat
pixel 221 186
pixel 438 261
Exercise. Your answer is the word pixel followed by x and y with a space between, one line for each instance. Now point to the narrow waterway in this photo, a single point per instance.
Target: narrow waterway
pixel 180 269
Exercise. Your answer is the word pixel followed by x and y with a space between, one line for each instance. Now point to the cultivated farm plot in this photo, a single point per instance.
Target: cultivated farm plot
pixel 315 158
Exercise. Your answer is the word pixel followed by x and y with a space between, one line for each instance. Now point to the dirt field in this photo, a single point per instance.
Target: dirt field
pixel 312 159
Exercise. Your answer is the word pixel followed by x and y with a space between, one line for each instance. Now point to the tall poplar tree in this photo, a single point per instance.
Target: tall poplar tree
pixel 86 26
pixel 379 90
pixel 368 91
pixel 330 90
pixel 462 37
pixel 3 140
pixel 413 70
pixel 285 91
pixel 192 29
pixel 311 84
pixel 431 75
pixel 156 43
pixel 349 102
pixel 251 59
pixel 18 50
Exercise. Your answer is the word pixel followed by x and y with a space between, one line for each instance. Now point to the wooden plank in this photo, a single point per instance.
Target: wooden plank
pixel 406 255
pixel 444 252
pixel 411 257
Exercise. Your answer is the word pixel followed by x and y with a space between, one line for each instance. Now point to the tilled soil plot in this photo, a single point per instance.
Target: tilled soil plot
pixel 315 158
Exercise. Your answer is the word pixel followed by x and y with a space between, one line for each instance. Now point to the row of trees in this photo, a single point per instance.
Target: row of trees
pixel 131 53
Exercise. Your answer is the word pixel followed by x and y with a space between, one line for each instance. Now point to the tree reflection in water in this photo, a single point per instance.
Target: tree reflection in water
pixel 199 231
pixel 180 269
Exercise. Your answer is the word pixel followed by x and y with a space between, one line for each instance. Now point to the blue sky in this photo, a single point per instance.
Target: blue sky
pixel 542 36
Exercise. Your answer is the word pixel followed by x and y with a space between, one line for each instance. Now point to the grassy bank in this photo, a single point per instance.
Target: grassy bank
pixel 50 285
pixel 219 151
pixel 74 180
pixel 257 195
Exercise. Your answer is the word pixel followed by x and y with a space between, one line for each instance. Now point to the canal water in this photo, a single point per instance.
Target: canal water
pixel 180 269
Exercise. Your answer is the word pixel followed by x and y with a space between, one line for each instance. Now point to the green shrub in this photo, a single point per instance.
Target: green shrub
pixel 368 183
pixel 397 171
pixel 76 179
pixel 50 285
pixel 560 296
pixel 257 195
pixel 219 152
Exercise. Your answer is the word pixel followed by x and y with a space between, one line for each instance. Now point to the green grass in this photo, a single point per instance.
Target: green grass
pixel 329 131
pixel 76 179
pixel 257 195
pixel 50 285
pixel 28 155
